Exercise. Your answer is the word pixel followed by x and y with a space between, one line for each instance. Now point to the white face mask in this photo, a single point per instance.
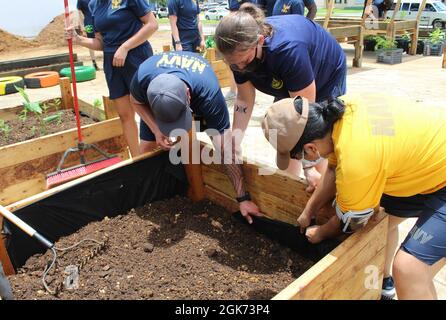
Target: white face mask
pixel 311 163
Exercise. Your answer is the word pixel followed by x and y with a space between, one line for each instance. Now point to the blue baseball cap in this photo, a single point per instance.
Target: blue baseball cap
pixel 167 95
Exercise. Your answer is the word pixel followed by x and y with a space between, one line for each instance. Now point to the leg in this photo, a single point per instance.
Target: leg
pixel 413 278
pixel 127 116
pixel 393 243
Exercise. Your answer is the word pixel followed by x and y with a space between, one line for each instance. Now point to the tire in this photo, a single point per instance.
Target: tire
pixel 7 85
pixel 83 73
pixel 42 79
pixel 437 24
pixel 221 17
pixel 207 18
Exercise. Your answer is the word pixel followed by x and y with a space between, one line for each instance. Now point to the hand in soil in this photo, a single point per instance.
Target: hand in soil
pixel 304 220
pixel 248 208
pixel 314 234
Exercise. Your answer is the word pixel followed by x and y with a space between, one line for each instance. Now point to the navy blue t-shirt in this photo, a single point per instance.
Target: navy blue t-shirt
pixel 186 12
pixel 234 5
pixel 299 52
pixel 268 5
pixel 207 100
pixel 82 5
pixel 118 20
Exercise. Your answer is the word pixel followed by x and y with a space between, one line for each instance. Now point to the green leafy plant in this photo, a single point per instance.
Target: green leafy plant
pixel 28 106
pixel 5 129
pixel 406 36
pixel 437 36
pixel 210 42
pixel 55 117
pixel 97 103
pixel 384 43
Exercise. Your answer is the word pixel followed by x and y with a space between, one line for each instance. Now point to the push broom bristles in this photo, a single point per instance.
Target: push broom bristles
pixel 57 178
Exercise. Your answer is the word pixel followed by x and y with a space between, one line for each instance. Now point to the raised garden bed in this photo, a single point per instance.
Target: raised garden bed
pixel 24 165
pixel 344 273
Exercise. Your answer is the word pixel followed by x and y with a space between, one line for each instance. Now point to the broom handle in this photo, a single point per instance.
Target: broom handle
pixel 25 227
pixel 73 75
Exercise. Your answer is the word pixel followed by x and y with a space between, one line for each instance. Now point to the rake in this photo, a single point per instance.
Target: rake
pixel 64 175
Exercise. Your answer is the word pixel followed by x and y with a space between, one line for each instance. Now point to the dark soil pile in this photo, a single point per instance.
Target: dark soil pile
pixel 171 249
pixel 9 42
pixel 34 126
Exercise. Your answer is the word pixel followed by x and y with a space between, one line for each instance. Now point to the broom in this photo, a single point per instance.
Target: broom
pixel 64 175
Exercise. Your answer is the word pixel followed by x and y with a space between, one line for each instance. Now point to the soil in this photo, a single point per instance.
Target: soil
pixel 172 249
pixel 53 33
pixel 34 126
pixel 10 42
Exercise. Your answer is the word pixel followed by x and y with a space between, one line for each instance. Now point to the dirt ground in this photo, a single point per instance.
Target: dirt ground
pixel 172 249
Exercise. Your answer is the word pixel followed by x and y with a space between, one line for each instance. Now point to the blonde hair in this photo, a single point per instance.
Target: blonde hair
pixel 240 30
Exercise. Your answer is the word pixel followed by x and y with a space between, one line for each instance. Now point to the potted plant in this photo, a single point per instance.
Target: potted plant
pixel 369 43
pixel 387 51
pixel 404 42
pixel 434 46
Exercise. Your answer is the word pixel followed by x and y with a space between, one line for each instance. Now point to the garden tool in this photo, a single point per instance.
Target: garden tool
pixel 64 175
pixel 49 245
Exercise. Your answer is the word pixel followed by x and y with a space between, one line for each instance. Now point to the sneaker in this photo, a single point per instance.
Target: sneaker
pixel 388 290
pixel 230 95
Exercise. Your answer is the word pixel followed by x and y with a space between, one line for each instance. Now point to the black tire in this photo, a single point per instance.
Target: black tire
pixel 437 24
pixel 8 84
pixel 207 17
pixel 221 17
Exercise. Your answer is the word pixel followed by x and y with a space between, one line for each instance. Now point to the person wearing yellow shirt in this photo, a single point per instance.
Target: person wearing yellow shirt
pixel 381 151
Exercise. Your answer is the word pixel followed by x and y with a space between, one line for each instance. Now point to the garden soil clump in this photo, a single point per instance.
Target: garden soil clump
pixel 172 249
pixel 34 127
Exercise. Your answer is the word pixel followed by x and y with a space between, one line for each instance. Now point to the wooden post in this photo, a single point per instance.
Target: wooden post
pixel 166 48
pixel 109 108
pixel 211 54
pixel 444 58
pixel 414 36
pixel 359 49
pixel 330 5
pixel 193 170
pixel 4 257
pixel 391 26
pixel 65 93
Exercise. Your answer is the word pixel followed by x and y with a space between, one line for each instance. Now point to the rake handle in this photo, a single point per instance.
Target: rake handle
pixel 73 75
pixel 25 227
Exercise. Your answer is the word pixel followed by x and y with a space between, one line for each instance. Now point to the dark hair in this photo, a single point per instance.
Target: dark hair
pixel 240 30
pixel 321 117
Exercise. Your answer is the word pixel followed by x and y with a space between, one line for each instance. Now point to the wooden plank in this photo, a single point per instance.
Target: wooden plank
pixel 193 170
pixel 109 108
pixel 26 179
pixel 57 142
pixel 65 93
pixel 221 199
pixel 345 31
pixel 211 54
pixel 37 197
pixel 366 245
pixel 93 112
pixel 330 5
pixel 404 25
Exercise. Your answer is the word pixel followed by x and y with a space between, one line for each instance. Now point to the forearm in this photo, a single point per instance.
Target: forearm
pixel 145 114
pixel 200 30
pixel 174 28
pixel 243 106
pixel 325 191
pixel 90 43
pixel 312 10
pixel 142 35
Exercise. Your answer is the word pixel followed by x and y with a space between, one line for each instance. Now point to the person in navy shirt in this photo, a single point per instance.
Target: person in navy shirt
pixel 283 56
pixel 234 5
pixel 122 29
pixel 295 7
pixel 82 6
pixel 267 6
pixel 187 31
pixel 165 91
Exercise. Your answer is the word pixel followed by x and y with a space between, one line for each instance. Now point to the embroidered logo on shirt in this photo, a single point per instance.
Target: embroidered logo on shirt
pixel 286 8
pixel 116 4
pixel 276 84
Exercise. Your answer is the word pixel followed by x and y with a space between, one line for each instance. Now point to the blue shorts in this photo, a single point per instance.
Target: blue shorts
pixel 190 40
pixel 427 239
pixel 119 78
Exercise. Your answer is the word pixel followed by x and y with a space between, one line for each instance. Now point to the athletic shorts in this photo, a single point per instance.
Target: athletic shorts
pixel 427 239
pixel 119 78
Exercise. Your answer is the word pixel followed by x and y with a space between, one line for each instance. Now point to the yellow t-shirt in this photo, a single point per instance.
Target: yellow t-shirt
pixel 387 145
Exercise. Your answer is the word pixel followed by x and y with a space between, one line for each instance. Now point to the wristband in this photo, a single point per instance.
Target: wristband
pixel 245 197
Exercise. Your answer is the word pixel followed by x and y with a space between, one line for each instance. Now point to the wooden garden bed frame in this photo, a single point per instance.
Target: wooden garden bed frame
pixel 353 270
pixel 24 165
pixel 389 28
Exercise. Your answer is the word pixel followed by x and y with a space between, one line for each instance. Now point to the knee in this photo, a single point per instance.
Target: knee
pixel 126 114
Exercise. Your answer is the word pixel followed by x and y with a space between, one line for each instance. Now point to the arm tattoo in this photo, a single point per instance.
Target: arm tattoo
pixel 234 170
pixel 240 109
